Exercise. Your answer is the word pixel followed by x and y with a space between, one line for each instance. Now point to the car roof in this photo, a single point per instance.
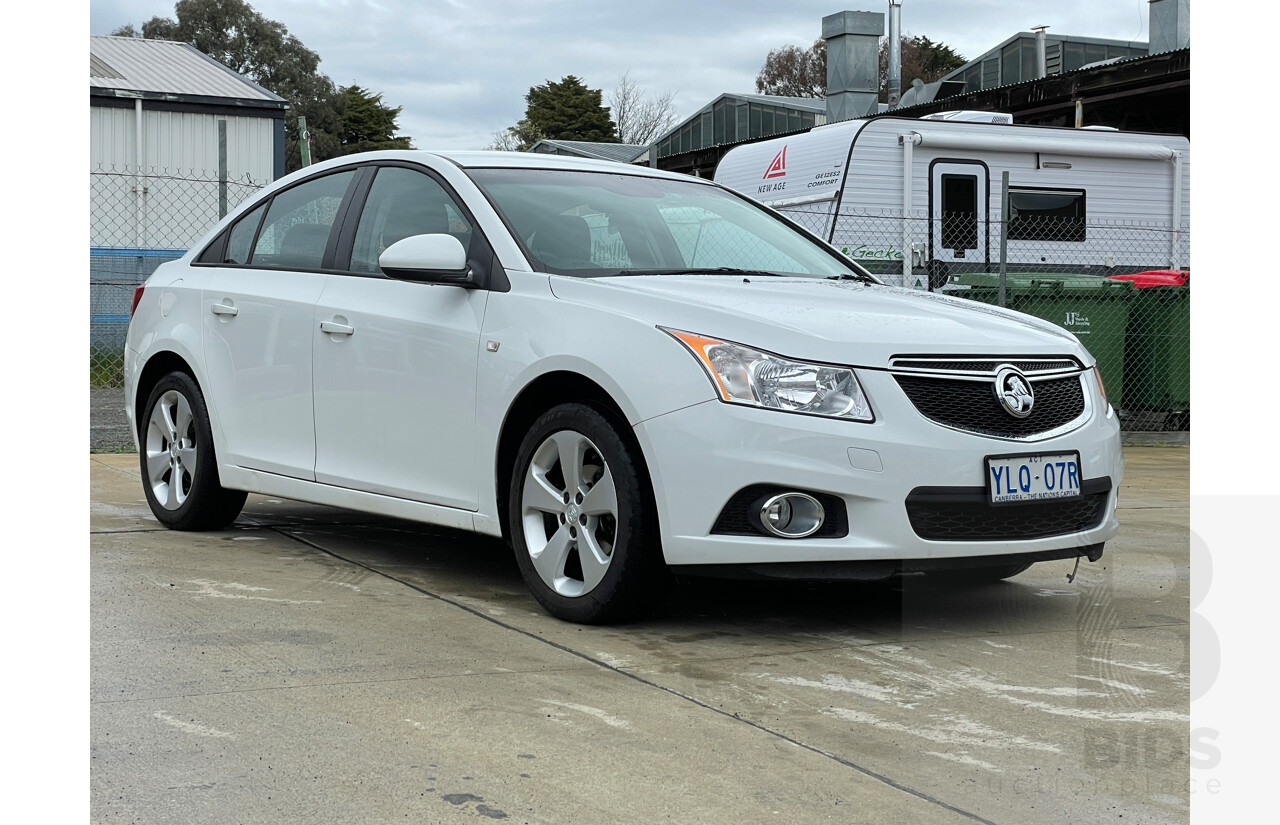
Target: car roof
pixel 475 159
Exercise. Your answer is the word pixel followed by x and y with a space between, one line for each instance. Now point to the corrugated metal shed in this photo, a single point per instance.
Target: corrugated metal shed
pixel 814 104
pixel 167 69
pixel 619 152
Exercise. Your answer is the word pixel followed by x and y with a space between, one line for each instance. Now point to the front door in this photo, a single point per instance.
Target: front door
pixel 395 362
pixel 958 195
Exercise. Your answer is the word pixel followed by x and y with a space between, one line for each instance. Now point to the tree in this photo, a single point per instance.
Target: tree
pixel 240 38
pixel 516 138
pixel 640 118
pixel 568 110
pixel 921 58
pixel 795 72
pixel 367 124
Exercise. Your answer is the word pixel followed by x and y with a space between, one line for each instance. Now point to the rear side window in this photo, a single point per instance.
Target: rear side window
pixel 403 202
pixel 296 229
pixel 241 239
pixel 1046 215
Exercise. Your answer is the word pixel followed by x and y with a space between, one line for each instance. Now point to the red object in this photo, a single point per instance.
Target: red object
pixel 1155 277
pixel 137 297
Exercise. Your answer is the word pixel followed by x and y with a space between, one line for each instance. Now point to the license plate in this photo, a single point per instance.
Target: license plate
pixel 1013 478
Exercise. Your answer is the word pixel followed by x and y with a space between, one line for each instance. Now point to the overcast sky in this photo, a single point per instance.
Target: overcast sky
pixel 461 68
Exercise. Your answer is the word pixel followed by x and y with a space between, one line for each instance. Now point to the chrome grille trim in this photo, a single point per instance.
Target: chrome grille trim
pixel 980 367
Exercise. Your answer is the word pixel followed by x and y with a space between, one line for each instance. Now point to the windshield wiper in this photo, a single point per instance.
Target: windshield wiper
pixel 719 270
pixel 853 276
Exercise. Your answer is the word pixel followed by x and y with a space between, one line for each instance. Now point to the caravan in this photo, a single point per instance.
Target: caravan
pixel 918 200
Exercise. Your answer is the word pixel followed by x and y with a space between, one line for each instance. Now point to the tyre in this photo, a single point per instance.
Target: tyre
pixel 583 523
pixel 179 469
pixel 979 575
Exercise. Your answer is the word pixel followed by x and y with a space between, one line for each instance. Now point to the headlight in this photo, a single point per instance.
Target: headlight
pixel 760 379
pixel 1102 390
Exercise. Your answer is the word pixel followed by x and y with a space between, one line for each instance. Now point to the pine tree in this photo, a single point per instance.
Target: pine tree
pixel 568 110
pixel 367 124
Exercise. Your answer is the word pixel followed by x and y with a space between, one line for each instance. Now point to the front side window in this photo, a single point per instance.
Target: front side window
pixel 1046 215
pixel 296 229
pixel 403 202
pixel 592 224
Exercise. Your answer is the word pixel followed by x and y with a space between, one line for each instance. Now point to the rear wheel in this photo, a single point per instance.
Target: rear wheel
pixel 583 523
pixel 179 470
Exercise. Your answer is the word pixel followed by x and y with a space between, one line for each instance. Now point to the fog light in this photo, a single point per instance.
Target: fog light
pixel 792 515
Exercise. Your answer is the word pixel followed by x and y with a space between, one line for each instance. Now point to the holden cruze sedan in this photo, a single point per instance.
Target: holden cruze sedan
pixel 622 372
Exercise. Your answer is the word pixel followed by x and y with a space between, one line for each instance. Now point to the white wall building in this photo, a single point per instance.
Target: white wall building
pixel 175 139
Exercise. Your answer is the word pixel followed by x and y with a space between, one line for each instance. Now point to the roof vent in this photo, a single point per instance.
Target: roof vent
pixel 971 117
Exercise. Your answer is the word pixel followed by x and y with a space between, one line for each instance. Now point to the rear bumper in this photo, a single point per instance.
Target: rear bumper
pixel 130 391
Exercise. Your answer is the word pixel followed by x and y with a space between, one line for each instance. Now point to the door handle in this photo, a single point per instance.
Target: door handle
pixel 224 309
pixel 335 328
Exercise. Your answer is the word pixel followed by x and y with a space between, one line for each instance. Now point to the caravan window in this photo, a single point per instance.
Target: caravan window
pixel 1046 215
pixel 959 212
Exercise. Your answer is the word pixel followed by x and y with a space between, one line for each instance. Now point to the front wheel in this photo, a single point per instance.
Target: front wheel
pixel 583 523
pixel 179 470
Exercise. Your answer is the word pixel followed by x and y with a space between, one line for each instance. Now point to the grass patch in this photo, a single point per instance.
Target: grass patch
pixel 106 369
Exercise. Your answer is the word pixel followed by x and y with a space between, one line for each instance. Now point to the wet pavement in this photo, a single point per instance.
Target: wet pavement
pixel 319 665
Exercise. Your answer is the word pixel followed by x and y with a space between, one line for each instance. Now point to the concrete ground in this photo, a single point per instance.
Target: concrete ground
pixel 108 425
pixel 312 665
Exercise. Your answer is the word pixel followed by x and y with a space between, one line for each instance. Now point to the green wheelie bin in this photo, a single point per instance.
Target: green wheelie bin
pixel 1157 366
pixel 1093 308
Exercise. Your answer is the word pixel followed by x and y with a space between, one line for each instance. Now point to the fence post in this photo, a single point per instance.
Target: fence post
pixel 908 142
pixel 1175 242
pixel 1004 230
pixel 222 168
pixel 304 141
pixel 138 203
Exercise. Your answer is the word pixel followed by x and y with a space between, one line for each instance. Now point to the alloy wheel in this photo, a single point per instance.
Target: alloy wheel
pixel 569 513
pixel 171 450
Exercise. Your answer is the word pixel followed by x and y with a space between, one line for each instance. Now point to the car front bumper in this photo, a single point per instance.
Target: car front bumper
pixel 699 457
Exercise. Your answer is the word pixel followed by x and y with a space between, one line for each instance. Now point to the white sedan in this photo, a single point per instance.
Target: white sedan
pixel 622 372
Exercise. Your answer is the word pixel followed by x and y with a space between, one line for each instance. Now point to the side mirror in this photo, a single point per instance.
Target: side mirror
pixel 436 259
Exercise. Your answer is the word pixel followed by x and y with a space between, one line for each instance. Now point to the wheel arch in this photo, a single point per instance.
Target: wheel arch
pixel 158 366
pixel 541 394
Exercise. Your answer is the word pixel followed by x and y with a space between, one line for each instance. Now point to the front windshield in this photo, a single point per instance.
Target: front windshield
pixel 592 224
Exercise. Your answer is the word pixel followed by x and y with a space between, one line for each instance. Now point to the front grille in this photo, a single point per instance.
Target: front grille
pixel 972 405
pixel 740 516
pixel 965 514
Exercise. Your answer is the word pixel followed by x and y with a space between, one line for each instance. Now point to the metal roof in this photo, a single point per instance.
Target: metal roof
pixel 817 105
pixel 1083 70
pixel 163 68
pixel 996 51
pixel 620 152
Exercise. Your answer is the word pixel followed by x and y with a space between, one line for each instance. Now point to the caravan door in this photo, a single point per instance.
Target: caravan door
pixel 958 196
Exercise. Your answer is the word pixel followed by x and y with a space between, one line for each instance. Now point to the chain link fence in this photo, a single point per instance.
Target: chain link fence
pixel 137 222
pixel 1086 276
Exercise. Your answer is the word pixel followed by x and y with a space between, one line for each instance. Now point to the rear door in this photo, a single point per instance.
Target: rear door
pixel 258 307
pixel 958 210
